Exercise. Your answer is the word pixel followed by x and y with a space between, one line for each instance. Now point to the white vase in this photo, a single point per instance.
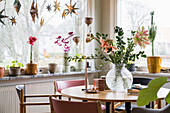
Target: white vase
pixel 119 80
pixel 66 63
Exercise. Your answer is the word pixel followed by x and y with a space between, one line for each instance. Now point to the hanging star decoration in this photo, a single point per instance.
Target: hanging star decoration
pixel 64 14
pixel 56 6
pixel 71 9
pixel 2 16
pixel 13 20
pixel 49 7
pixel 34 11
pixel 42 22
pixel 17 5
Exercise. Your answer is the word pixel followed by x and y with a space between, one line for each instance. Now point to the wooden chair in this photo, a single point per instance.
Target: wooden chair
pixel 61 106
pixel 21 91
pixel 59 85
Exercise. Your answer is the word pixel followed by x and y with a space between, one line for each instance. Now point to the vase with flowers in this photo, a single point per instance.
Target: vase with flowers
pixel 65 44
pixel 31 68
pixel 119 78
pixel 153 62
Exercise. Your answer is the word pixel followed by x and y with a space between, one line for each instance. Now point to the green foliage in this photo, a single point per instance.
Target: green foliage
pixel 14 64
pixel 152 32
pixel 167 99
pixel 149 94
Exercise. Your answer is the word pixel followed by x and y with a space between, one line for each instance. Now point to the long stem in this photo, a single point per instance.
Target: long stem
pixel 31 55
pixel 152 48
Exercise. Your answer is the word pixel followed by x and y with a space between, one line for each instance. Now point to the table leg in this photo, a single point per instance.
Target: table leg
pixel 107 107
pixel 128 107
pixel 112 107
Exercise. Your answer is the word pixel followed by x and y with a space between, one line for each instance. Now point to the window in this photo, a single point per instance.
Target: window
pixel 135 13
pixel 13 38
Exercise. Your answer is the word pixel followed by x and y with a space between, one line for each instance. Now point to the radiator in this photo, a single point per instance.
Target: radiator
pixel 9 101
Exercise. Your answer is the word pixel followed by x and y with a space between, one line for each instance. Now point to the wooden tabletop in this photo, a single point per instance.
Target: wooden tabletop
pixel 107 95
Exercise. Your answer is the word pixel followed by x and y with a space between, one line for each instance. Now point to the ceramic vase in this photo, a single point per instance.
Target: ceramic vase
pixel 119 80
pixel 154 64
pixel 52 67
pixel 31 69
pixel 14 71
pixel 1 72
pixel 66 63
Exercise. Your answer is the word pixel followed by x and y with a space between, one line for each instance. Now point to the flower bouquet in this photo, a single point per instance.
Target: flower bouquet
pixel 65 44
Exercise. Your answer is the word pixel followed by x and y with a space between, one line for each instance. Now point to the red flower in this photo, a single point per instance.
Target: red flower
pixel 31 40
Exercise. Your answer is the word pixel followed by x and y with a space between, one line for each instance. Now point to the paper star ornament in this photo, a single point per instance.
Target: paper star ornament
pixel 34 11
pixel 71 9
pixel 49 7
pixel 13 20
pixel 2 16
pixel 56 6
pixel 17 5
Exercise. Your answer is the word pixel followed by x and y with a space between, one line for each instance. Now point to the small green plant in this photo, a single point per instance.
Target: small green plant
pixel 14 64
pixel 152 32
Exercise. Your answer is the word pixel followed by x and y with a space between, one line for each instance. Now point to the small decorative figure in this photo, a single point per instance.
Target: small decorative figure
pixel 49 7
pixel 2 16
pixel 71 9
pixel 56 6
pixel 13 20
pixel 17 5
pixel 42 22
pixel 34 11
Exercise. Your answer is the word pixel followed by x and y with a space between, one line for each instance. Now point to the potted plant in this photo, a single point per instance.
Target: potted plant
pixel 14 69
pixel 65 44
pixel 31 68
pixel 153 62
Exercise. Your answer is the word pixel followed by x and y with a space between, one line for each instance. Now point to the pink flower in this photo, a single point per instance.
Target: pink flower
pixel 141 38
pixel 58 37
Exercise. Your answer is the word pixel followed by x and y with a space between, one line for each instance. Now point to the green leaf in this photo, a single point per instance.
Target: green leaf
pixel 149 94
pixel 167 99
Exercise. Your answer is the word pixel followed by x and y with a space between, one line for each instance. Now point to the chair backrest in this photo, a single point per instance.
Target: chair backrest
pixel 140 80
pixel 19 88
pixel 60 85
pixel 61 106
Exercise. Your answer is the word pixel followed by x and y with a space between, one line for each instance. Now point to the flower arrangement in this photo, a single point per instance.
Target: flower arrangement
pixel 64 42
pixel 31 41
pixel 119 53
pixel 152 32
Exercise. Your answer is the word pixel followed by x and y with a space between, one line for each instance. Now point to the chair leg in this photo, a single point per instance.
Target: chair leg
pixel 107 107
pixel 21 101
pixel 112 107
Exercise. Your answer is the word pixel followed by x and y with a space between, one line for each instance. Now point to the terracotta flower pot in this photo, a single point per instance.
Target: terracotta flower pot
pixel 14 71
pixel 31 69
pixel 154 64
pixel 1 72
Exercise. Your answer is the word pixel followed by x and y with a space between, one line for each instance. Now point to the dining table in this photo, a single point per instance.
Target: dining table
pixel 108 96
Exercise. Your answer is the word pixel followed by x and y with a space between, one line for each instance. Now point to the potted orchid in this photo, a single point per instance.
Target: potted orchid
pixel 153 62
pixel 31 68
pixel 65 44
